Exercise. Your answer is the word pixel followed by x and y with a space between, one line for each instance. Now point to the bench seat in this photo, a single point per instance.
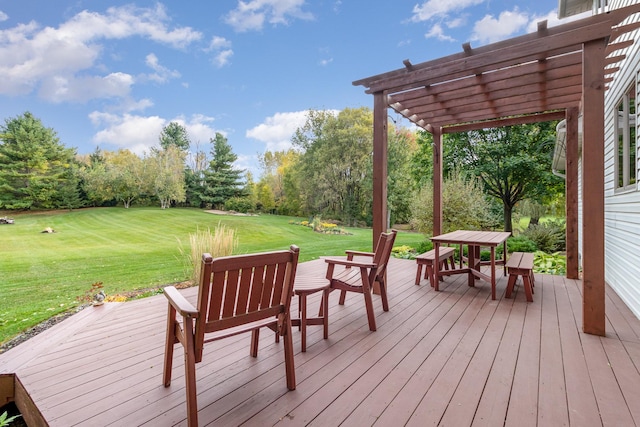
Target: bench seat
pixel 446 260
pixel 521 264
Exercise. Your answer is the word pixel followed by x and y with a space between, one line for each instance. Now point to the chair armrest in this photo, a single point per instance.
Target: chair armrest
pixel 360 253
pixel 180 303
pixel 347 263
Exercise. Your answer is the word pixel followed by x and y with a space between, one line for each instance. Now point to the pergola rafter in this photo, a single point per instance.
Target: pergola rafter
pixel 555 72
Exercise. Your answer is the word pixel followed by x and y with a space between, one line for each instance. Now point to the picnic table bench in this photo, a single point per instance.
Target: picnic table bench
pixel 446 259
pixel 520 264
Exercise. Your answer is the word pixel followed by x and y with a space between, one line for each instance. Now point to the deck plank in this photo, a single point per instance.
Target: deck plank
pixel 552 402
pixel 453 357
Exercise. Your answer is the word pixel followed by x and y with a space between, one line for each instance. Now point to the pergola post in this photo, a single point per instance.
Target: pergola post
pixel 380 144
pixel 593 301
pixel 571 191
pixel 437 180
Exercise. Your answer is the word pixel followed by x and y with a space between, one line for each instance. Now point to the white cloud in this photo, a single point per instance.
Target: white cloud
pixel 218 42
pixel 457 22
pixel 490 29
pixel 162 74
pixel 139 133
pixel 437 32
pixel 58 89
pixel 440 8
pixel 135 133
pixel 3 16
pixel 252 15
pixel 130 105
pixel 31 56
pixel 128 21
pixel 325 62
pixel 222 58
pixel 552 20
pixel 276 131
pixel 199 128
pixel 222 51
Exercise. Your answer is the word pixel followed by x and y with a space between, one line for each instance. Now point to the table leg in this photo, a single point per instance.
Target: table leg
pixel 436 267
pixel 504 258
pixel 493 272
pixel 471 260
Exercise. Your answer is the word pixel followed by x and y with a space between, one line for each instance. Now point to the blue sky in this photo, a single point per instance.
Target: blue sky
pixel 113 74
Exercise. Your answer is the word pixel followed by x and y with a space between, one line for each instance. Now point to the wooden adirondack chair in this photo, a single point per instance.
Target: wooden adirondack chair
pixel 237 294
pixel 360 277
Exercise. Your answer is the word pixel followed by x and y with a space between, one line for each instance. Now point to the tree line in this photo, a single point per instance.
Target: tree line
pixel 327 172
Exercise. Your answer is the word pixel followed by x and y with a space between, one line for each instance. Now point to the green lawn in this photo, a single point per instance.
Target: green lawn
pixel 43 274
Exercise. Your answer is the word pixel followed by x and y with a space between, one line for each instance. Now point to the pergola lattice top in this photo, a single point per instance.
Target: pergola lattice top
pixel 532 74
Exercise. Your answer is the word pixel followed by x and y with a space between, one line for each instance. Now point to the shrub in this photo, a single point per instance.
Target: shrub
pixel 318 225
pixel 220 242
pixel 424 246
pixel 464 206
pixel 549 236
pixel 555 263
pixel 485 255
pixel 521 243
pixel 239 204
pixel 403 252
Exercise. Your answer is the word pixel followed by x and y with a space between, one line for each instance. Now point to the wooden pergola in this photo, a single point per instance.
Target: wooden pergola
pixel 554 73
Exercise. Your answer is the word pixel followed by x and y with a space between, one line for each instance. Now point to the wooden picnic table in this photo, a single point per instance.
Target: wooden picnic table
pixel 474 241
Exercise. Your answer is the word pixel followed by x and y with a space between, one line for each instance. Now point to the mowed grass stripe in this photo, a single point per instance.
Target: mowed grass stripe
pixel 129 249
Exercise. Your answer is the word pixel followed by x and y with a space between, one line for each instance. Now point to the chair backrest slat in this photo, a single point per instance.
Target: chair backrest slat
pixel 230 294
pixel 256 289
pixel 267 285
pixel 216 282
pixel 280 278
pixel 243 292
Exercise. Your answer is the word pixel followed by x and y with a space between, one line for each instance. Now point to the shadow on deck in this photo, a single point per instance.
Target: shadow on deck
pixel 453 358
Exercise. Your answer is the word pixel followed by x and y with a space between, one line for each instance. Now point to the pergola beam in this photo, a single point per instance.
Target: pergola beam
pixel 511 121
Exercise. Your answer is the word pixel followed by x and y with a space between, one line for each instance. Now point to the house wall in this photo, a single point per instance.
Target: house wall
pixel 622 208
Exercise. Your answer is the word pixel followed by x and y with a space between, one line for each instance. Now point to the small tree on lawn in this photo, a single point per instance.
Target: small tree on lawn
pixel 222 179
pixel 165 171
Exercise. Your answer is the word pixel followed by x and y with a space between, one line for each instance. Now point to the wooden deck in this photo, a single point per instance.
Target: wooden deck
pixel 453 358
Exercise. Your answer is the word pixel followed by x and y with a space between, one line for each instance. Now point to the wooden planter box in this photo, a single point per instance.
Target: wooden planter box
pixel 12 390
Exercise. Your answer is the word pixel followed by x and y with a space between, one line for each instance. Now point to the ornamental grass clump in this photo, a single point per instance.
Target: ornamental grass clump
pixel 222 241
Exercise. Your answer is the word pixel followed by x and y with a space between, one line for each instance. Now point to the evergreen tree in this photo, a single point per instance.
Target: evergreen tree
pixel 194 178
pixel 174 134
pixel 222 180
pixel 70 195
pixel 33 164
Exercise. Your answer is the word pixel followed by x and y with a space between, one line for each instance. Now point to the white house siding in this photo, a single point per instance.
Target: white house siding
pixel 622 209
